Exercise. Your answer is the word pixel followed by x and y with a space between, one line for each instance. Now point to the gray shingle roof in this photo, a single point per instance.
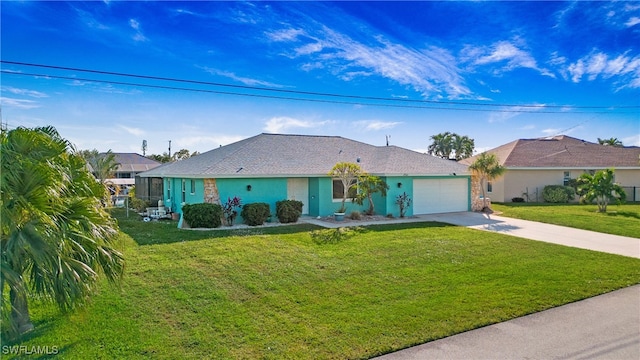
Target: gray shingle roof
pixel 565 152
pixel 276 155
pixel 132 162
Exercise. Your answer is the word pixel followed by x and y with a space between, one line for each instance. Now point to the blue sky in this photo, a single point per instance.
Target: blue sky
pixel 495 71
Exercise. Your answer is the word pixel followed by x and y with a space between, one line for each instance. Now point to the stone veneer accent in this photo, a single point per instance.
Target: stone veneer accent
pixel 211 194
pixel 476 202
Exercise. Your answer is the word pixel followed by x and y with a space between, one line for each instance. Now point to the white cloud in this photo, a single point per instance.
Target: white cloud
pixel 244 80
pixel 633 21
pixel 25 92
pixel 633 140
pixel 135 25
pixel 283 123
pixel 88 19
pixel 551 131
pixel 206 142
pixel 132 131
pixel 18 103
pixel 376 125
pixel 284 35
pixel 599 64
pixel 502 52
pixel 513 111
pixel 431 71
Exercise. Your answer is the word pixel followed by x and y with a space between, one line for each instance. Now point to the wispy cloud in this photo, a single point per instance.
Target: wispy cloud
pixel 283 123
pixel 513 111
pixel 18 103
pixel 633 140
pixel 89 20
pixel 375 125
pixel 599 64
pixel 240 79
pixel 206 141
pixel 135 25
pixel 132 131
pixel 24 92
pixel 284 35
pixel 431 71
pixel 502 52
pixel 633 21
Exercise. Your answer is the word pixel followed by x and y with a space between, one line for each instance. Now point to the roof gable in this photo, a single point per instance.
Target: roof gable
pixel 271 155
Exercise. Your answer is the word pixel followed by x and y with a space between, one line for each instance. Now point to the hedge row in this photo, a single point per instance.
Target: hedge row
pixel 207 215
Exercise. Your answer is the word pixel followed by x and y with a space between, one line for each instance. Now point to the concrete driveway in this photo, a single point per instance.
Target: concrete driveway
pixel 532 230
pixel 602 327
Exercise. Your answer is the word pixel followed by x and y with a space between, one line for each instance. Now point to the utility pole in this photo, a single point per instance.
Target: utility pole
pixel 169 149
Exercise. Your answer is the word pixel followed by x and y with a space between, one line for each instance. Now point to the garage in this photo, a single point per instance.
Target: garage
pixel 431 196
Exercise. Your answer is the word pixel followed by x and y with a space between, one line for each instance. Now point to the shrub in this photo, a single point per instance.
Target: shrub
pixel 202 215
pixel 138 204
pixel 255 214
pixel 355 215
pixel 288 211
pixel 517 199
pixel 333 236
pixel 403 201
pixel 558 193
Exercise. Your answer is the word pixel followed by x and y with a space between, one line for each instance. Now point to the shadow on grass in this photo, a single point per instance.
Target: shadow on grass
pixel 629 214
pixel 17 348
pixel 405 226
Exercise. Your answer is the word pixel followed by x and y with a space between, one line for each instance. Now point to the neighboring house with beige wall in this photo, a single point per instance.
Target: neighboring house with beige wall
pixel 534 163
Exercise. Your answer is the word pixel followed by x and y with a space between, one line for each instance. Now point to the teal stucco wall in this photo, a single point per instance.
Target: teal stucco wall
pixel 266 190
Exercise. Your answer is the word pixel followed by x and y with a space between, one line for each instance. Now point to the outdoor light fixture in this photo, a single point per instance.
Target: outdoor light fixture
pixel 248 187
pixel 399 185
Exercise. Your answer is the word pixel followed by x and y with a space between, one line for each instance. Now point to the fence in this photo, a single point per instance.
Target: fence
pixel 633 193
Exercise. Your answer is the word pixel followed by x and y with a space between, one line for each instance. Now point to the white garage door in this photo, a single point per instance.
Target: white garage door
pixel 440 195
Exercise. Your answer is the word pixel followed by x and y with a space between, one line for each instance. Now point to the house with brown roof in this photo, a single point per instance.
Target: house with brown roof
pixel 534 163
pixel 273 167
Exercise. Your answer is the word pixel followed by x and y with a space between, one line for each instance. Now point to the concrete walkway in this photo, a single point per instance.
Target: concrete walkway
pixel 602 327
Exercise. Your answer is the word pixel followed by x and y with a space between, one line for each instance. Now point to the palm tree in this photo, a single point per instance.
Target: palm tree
pixel 610 142
pixel 55 235
pixel 444 144
pixel 487 168
pixel 369 185
pixel 601 188
pixel 462 146
pixel 103 165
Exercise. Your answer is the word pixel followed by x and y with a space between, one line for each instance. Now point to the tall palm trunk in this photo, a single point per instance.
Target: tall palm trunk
pixel 20 311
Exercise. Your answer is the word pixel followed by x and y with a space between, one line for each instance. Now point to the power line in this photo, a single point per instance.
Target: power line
pixel 311 93
pixel 164 87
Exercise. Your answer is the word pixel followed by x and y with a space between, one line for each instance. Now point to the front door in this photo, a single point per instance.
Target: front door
pixel 298 189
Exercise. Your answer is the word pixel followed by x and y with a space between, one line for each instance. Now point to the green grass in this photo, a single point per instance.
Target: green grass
pixel 189 294
pixel 618 220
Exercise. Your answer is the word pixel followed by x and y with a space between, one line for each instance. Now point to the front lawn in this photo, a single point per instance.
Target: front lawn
pixel 283 296
pixel 618 220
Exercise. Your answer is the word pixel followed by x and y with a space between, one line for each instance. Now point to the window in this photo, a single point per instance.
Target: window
pixel 169 189
pixel 338 190
pixel 193 187
pixel 184 190
pixel 567 177
pixel 489 186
